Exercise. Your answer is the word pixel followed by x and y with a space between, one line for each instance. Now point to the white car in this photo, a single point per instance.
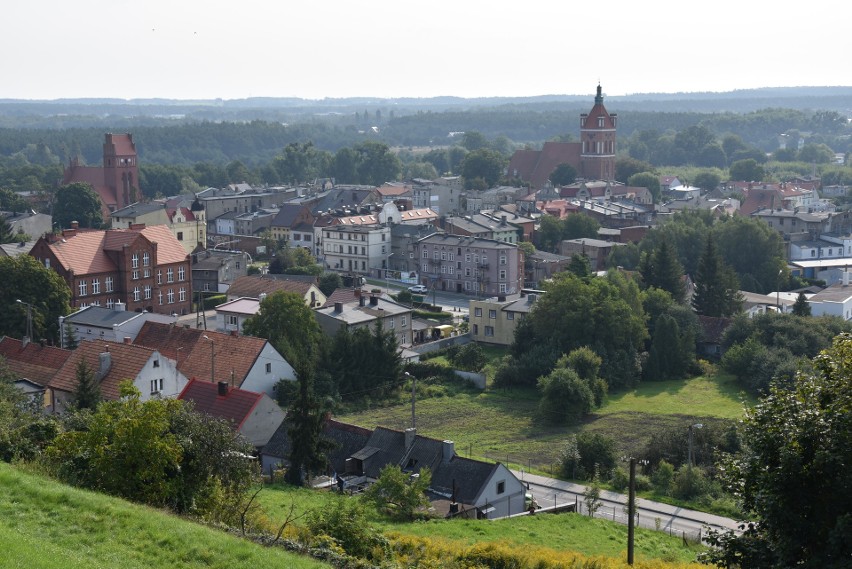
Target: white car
pixel 418 289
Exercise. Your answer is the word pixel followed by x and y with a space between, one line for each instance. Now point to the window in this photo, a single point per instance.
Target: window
pixel 170 296
pixel 268 367
pixel 443 255
pixel 476 329
pixel 813 253
pixel 436 255
pixel 477 312
pixel 403 321
pixel 170 275
pixel 160 297
pixel 96 286
pixel 467 271
pixel 146 273
pixel 47 263
pixel 503 275
pixel 159 276
pixel 425 267
pixel 156 385
pixel 84 288
pixel 135 274
pixel 489 330
pixel 391 323
pixel 467 285
pixel 451 269
pixel 232 319
pixel 182 294
pixel 425 254
pixel 137 294
pixel 146 259
pixel 182 273
pixel 467 258
pixel 134 260
pixel 156 363
pixel 510 316
pixel 492 314
pixel 147 292
pixel 180 235
pixel 502 259
pixel 501 487
pixel 502 287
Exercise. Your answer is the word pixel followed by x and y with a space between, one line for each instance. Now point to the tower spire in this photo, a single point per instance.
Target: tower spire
pixel 599 96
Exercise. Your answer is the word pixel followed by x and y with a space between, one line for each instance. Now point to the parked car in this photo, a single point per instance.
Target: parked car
pixel 418 289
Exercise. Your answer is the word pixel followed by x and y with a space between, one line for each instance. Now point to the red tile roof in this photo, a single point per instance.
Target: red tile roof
pixel 235 407
pixel 169 249
pixel 126 360
pixel 34 362
pixel 192 352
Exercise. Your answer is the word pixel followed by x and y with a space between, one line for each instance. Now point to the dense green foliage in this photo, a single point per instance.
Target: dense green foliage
pixel 77 202
pixel 87 394
pixel 400 494
pixel 27 280
pixel 716 286
pixel 363 363
pixel 792 473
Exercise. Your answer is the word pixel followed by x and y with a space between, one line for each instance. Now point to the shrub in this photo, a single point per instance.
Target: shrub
pixel 689 483
pixel 662 478
pixel 346 523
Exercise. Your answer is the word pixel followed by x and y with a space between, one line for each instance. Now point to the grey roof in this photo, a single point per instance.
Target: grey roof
pixel 15 249
pixel 354 313
pixel 464 475
pixel 392 445
pixel 465 241
pixel 137 209
pixel 521 305
pixel 101 317
pixel 348 439
pixel 834 293
pixel 287 214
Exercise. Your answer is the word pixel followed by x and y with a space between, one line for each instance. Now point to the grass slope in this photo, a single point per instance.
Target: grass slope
pixel 44 524
pixel 501 424
pixel 561 532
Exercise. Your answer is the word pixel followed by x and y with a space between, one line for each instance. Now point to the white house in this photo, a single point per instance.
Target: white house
pixel 96 323
pixel 835 300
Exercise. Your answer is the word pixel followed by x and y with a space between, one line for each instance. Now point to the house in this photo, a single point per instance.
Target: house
pixel 357 249
pixel 153 374
pixel 231 315
pixel 469 264
pixel 15 249
pixel 596 250
pixel 109 324
pixel 709 342
pixel 117 181
pixel 494 320
pixel 473 488
pixel 256 416
pixel 835 300
pixel 352 309
pixel 258 286
pixel 593 157
pixel 541 266
pixel 216 271
pixel 669 182
pixel 294 225
pixel 440 196
pixel 243 361
pixel 187 221
pixel 145 268
pixel 28 223
pixel 33 364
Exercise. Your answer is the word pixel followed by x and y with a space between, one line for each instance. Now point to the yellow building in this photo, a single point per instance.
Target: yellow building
pixel 493 320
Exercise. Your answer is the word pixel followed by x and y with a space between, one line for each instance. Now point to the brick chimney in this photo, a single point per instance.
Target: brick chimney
pixel 222 390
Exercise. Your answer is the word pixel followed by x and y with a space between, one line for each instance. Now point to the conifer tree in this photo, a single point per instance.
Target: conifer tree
pixel 801 306
pixel 716 288
pixel 305 418
pixel 661 269
pixel 87 395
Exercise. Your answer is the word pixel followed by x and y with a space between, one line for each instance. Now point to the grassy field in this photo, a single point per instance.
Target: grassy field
pixel 561 532
pixel 501 424
pixel 47 525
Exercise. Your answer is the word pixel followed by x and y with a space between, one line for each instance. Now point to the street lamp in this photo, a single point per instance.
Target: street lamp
pixel 691 427
pixel 212 358
pixel 29 306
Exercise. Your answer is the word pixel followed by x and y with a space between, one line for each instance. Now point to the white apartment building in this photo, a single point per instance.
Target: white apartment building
pixel 361 249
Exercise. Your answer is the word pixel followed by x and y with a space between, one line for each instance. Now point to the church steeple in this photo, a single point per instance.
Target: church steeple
pixel 599 96
pixel 597 136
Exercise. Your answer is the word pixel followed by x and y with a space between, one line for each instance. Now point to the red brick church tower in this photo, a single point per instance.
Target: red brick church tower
pixel 117 182
pixel 597 135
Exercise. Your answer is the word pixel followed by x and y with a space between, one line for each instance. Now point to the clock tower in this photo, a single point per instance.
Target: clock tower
pixel 597 139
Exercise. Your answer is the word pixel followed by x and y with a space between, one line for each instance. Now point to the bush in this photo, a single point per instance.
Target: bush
pixel 213 301
pixel 346 523
pixel 689 483
pixel 662 478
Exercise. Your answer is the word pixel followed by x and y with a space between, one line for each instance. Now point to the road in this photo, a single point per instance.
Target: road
pixel 652 515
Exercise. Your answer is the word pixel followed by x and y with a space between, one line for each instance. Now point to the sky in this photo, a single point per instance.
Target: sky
pixel 317 49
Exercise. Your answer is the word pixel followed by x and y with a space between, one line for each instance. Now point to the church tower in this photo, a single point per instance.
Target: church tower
pixel 597 136
pixel 121 174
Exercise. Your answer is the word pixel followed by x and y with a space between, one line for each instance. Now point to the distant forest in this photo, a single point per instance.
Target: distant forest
pixel 253 132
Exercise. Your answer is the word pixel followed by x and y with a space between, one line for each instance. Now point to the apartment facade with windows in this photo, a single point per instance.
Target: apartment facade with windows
pixel 470 265
pixel 360 249
pixel 494 320
pixel 146 268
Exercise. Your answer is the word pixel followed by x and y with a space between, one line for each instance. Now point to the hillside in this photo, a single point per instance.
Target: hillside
pixel 48 525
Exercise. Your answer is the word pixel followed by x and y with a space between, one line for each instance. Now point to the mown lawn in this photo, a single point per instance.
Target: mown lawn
pixel 47 525
pixel 561 532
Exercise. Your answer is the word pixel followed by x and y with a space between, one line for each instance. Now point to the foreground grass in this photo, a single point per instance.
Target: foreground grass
pixel 559 532
pixel 44 524
pixel 501 424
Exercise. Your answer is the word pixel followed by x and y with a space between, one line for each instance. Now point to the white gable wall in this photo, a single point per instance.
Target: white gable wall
pixel 262 379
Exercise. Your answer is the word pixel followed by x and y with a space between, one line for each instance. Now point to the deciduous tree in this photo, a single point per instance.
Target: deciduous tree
pixel 27 280
pixel 77 202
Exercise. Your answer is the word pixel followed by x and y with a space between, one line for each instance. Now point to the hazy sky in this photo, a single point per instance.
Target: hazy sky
pixel 315 49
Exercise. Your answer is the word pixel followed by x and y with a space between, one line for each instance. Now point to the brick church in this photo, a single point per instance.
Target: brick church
pixel 593 157
pixel 117 181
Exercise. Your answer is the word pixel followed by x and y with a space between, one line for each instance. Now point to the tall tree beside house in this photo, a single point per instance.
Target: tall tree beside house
pixel 77 202
pixel 661 269
pixel 87 394
pixel 24 278
pixel 716 289
pixel 305 418
pixel 7 235
pixel 801 306
pixel 289 325
pixel 666 359
pixel 364 362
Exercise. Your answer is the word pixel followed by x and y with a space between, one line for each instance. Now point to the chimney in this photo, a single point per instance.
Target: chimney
pixel 222 390
pixel 75 225
pixel 137 226
pixel 338 307
pixel 120 306
pixel 262 296
pixel 69 233
pixel 374 300
pixel 127 339
pixel 410 433
pixel 361 300
pixel 104 363
pixel 448 450
pixel 845 278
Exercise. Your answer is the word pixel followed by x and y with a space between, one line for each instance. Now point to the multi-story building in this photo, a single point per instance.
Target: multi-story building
pixel 187 221
pixel 360 310
pixel 215 271
pixel 294 225
pixel 494 320
pixel 360 249
pixel 442 198
pixel 469 264
pixel 146 268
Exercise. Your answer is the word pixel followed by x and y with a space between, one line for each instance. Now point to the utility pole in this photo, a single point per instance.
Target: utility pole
pixel 413 399
pixel 691 427
pixel 631 508
pixel 29 306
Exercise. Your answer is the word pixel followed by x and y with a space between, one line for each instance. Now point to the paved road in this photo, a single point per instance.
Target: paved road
pixel 672 519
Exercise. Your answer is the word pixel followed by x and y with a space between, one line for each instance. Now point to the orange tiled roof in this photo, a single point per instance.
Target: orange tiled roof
pixel 127 362
pixel 169 249
pixel 34 362
pixel 231 354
